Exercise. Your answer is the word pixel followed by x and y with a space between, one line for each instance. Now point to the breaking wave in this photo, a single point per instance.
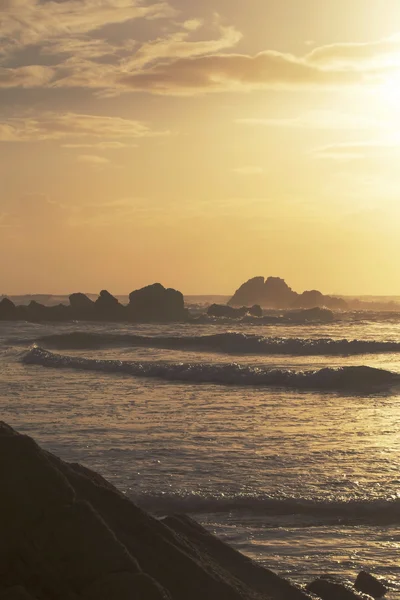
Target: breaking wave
pixel 355 379
pixel 372 511
pixel 229 343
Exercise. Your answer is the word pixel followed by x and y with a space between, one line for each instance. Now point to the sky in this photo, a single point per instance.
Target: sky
pixel 199 144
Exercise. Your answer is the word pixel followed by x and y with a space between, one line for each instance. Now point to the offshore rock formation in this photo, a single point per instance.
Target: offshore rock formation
pixel 275 293
pixel 222 310
pixel 152 303
pixel 68 534
pixel 155 303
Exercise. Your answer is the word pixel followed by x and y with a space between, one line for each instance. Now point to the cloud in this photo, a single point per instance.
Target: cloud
pixel 26 77
pixel 54 126
pixel 357 55
pixel 92 159
pixel 249 170
pixel 27 22
pixel 347 151
pixel 178 45
pixel 91 44
pixel 223 72
pixel 102 146
pixel 317 119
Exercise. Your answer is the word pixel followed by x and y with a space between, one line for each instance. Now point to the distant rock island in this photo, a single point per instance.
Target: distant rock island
pixel 275 293
pixel 151 303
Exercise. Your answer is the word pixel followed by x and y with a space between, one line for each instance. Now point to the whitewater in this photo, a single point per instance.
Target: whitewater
pixel 281 439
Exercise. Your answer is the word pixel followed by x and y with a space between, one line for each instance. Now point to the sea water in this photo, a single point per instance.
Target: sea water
pixel 281 439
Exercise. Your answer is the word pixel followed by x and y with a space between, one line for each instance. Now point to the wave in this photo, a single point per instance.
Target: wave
pixel 354 510
pixel 356 379
pixel 228 343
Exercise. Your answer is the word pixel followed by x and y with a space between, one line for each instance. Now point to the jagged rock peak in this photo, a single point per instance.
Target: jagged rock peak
pixel 80 301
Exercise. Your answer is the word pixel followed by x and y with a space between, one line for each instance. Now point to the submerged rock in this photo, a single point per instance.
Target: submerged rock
pixel 67 534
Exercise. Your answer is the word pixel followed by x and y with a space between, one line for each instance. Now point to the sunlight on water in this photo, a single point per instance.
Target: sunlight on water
pixel 307 482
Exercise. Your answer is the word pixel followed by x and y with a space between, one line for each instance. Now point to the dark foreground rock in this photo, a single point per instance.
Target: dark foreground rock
pixel 68 534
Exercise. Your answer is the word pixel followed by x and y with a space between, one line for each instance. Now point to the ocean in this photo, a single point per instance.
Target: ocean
pixel 283 440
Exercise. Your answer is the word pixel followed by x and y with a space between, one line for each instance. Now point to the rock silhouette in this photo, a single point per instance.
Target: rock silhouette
pixel 275 293
pixel 369 584
pixel 334 588
pixel 223 310
pixel 7 309
pixel 152 303
pixel 156 303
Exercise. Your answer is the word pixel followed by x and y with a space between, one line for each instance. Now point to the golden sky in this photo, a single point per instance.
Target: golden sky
pixel 199 143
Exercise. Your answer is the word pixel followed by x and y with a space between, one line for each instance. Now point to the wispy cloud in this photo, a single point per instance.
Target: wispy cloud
pixel 77 47
pixel 235 72
pixel 26 77
pixel 317 119
pixel 92 159
pixel 28 22
pixel 361 56
pixel 53 126
pixel 348 151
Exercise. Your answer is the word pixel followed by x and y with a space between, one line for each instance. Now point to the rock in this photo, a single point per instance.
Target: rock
pixel 80 547
pixel 125 586
pixel 106 300
pixel 330 588
pixel 156 303
pixel 16 592
pixel 108 308
pixel 275 293
pixel 80 301
pixel 226 311
pixel 309 299
pixel 67 534
pixel 255 311
pixel 264 581
pixel 369 584
pixel 251 292
pixel 314 298
pixel 7 309
pixel 278 294
pixel 311 315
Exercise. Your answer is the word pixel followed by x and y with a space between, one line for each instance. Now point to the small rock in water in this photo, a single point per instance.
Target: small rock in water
pixel 369 584
pixel 334 588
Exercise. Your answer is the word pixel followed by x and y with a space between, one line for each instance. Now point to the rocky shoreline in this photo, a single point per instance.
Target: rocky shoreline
pixel 68 534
